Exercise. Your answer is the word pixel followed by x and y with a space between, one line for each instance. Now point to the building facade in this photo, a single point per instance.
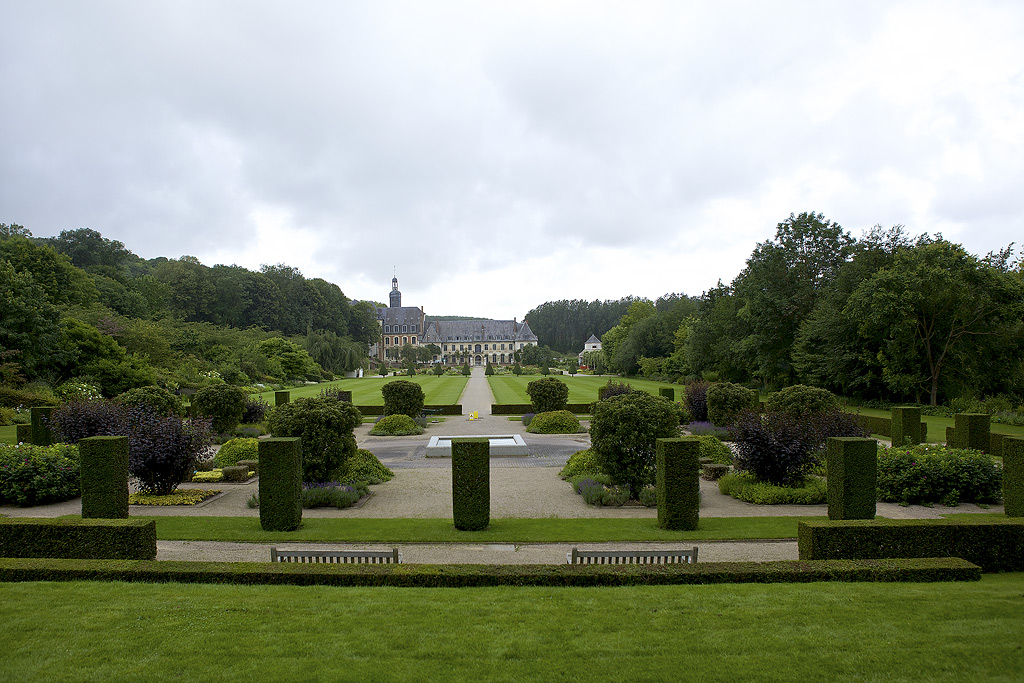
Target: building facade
pixel 399 325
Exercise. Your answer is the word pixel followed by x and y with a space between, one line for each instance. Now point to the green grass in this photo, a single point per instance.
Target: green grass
pixel 582 388
pixel 9 434
pixel 937 425
pixel 502 530
pixel 444 390
pixel 749 632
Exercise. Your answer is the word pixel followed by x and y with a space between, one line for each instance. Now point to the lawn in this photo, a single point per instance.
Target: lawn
pixel 502 530
pixel 444 390
pixel 9 434
pixel 582 388
pixel 782 632
pixel 937 425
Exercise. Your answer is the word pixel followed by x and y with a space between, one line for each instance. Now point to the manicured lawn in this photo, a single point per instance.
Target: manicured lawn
pixel 444 390
pixel 582 388
pixel 748 632
pixel 9 434
pixel 546 530
pixel 937 425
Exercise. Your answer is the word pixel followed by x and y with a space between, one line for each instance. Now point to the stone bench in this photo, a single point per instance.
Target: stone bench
pixel 576 556
pixel 338 556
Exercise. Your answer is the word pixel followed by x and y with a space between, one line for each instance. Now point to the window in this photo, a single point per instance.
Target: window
pixel 412 329
pixel 405 340
pixel 387 341
pixel 387 328
pixel 485 347
pixel 405 328
pixel 396 341
pixel 445 348
pixel 414 338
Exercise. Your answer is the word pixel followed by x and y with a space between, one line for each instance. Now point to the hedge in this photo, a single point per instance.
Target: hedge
pixel 852 476
pixel 971 430
pixel 23 433
pixel 452 409
pixel 280 486
pixel 41 435
pixel 78 539
pixel 678 477
pixel 471 484
pixel 1013 476
pixel 484 575
pixel 523 408
pixel 907 426
pixel 994 545
pixel 104 476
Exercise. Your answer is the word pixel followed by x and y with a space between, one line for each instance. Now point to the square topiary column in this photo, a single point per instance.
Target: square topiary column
pixel 851 468
pixel 282 397
pixel 41 434
pixel 971 430
pixel 24 433
pixel 667 392
pixel 280 483
pixel 1013 476
pixel 471 484
pixel 906 426
pixel 104 476
pixel 678 465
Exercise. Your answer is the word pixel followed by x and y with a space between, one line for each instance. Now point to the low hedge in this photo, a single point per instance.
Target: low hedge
pixel 994 545
pixel 483 575
pixel 523 408
pixel 92 539
pixel 450 409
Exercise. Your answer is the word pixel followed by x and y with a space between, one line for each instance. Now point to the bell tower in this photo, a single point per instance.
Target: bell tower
pixel 396 296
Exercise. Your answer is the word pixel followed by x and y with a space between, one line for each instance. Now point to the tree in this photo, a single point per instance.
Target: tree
pixel 403 397
pixel 943 315
pixel 324 426
pixel 547 394
pixel 88 248
pixel 29 323
pixel 624 430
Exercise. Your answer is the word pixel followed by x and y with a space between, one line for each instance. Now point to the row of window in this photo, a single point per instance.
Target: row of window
pixel 494 347
pixel 451 360
pixel 478 338
pixel 405 328
pixel 405 340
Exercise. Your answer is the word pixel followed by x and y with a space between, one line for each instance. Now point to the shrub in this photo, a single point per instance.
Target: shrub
pixel 35 475
pixel 517 369
pixel 397 424
pixel 782 448
pixel 255 410
pixel 325 427
pixel 714 450
pixel 697 400
pixel 438 370
pixel 78 390
pixel 801 398
pixel 466 370
pixel 159 399
pixel 727 400
pixel 364 466
pixel 331 494
pixel 748 488
pixel 613 388
pixel 94 539
pixel 678 483
pixel 528 418
pixel 624 431
pixel 937 474
pixel 223 403
pixel 28 396
pixel 708 429
pixel 75 420
pixel 235 450
pixel 280 487
pixel 557 422
pixel 489 370
pixel 649 497
pixel 403 397
pixel 104 476
pixel 581 463
pixel 471 490
pixel 548 394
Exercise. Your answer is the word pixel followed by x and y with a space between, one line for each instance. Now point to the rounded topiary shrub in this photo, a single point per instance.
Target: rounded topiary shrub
pixel 801 398
pixel 624 431
pixel 364 466
pixel 581 463
pixel 555 422
pixel 325 429
pixel 712 448
pixel 223 403
pixel 727 400
pixel 236 450
pixel 548 394
pixel 402 397
pixel 396 425
pixel 157 398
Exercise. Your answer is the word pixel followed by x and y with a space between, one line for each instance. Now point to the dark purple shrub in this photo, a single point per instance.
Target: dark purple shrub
pixel 697 400
pixel 255 410
pixel 614 388
pixel 162 450
pixel 75 420
pixel 782 448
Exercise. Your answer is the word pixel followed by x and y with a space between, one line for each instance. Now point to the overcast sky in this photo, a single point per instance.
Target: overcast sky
pixel 499 155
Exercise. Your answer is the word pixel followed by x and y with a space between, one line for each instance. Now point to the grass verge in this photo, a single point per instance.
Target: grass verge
pixel 783 632
pixel 502 530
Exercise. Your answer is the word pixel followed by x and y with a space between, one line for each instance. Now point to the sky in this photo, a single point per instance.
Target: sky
pixel 494 156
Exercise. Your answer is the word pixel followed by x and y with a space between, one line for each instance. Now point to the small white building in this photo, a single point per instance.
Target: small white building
pixel 592 344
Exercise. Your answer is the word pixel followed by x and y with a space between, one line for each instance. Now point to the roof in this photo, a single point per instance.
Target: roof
pixel 439 331
pixel 404 315
pixel 593 340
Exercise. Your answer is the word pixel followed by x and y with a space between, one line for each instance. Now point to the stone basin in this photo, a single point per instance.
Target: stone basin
pixel 501 445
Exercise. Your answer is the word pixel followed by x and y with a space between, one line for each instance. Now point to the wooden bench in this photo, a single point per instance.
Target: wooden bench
pixel 338 556
pixel 576 556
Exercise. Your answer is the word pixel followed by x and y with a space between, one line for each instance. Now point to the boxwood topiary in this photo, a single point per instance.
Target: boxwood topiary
pixel 727 400
pixel 397 424
pixel 403 397
pixel 325 427
pixel 713 449
pixel 556 422
pixel 548 394
pixel 624 430
pixel 235 450
pixel 364 466
pixel 158 398
pixel 581 463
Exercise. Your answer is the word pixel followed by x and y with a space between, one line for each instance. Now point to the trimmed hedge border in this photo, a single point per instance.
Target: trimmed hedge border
pixel 523 408
pixel 448 409
pixel 104 477
pixel 78 539
pixel 471 484
pixel 1013 476
pixel 478 575
pixel 852 477
pixel 993 545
